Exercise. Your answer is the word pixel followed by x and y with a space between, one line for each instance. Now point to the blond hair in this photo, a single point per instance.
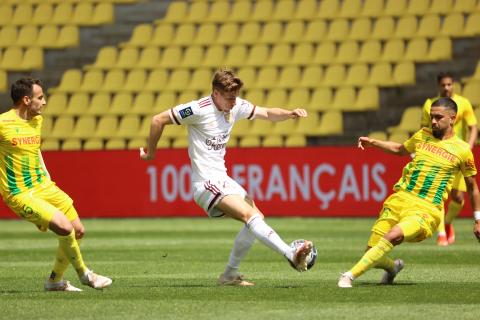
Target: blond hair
pixel 225 80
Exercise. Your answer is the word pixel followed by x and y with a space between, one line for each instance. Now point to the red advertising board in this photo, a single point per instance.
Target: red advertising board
pixel 315 181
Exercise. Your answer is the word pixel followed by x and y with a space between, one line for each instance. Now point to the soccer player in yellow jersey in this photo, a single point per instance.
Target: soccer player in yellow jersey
pixel 412 213
pixel 27 189
pixel 465 128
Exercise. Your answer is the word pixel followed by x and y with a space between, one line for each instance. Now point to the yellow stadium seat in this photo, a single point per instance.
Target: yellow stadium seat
pixel 219 11
pixel 395 7
pixel 331 123
pixel 163 35
pixel 47 37
pixel 50 145
pixel 68 37
pixel 77 104
pixel 249 142
pixel 206 34
pixel 197 12
pixel 82 14
pixel 302 54
pixel 267 78
pixel 26 36
pixel 298 98
pixel 176 12
pixel 464 6
pixel 472 26
pixel 381 75
pixel 56 104
pixel 164 101
pixel 308 125
pixel 84 127
pixel 175 131
pixel 184 35
pixel 248 76
pixel 8 36
pixel 179 80
pixel 136 143
pixel 296 141
pixel 263 11
pixel 149 58
pixel 3 81
pixel 453 25
pixel 93 144
pixel 357 75
pixel 121 104
pixel 106 58
pixel 348 52
pixel 440 49
pixel 344 99
pixel 271 33
pixel 316 31
pixel 241 11
pixel 429 26
pixel 128 127
pixel 22 15
pixel 228 33
pixel 417 50
pixel 171 57
pixel 62 127
pixel 334 75
pixel 350 8
pixel 180 142
pixel 241 128
pixel 393 50
pixel 328 9
pixel 289 77
pixel 106 127
pixel 338 30
pixel 306 10
pixel 157 80
pixel 441 6
pixel 258 55
pixel 103 14
pixel 62 14
pixel 370 51
pixel 476 74
pixel 249 33
pixel 12 59
pixel 325 53
pixel 404 73
pixel 193 57
pixel 115 144
pixel 378 135
pixel 141 36
pixel 276 98
pixel 46 126
pixel 418 7
pixel 283 10
pixel 384 28
pixel 312 77
pixel 143 104
pixel 361 29
pixel 99 104
pixel 255 96
pixel 321 99
pixel 114 81
pixel 32 59
pixel 294 31
pixel 272 141
pixel 471 90
pixel 201 80
pixel 406 27
pixel 409 122
pixel 135 81
pixel 42 14
pixel 372 8
pixel 6 14
pixel 236 56
pixel 214 56
pixel 368 98
pixel 72 144
pixel 127 58
pixel 70 82
pixel 284 128
pixel 399 137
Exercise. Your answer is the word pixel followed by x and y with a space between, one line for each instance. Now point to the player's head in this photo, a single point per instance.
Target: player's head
pixel 28 92
pixel 225 89
pixel 442 116
pixel 445 83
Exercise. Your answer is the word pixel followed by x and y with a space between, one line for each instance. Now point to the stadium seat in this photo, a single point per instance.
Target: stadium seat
pixel 418 7
pixel 249 33
pixel 127 58
pixel 187 96
pixel 99 104
pixel 348 52
pixel 298 98
pixel 62 127
pixel 241 128
pixel 57 104
pixel 113 82
pixel 258 55
pixel 361 29
pixel 83 14
pixel 201 80
pixel 26 36
pixel 8 36
pixel 236 56
pixel 280 54
pixel 393 50
pixel 260 128
pixel 321 99
pixel 197 12
pixel 249 142
pixel 306 10
pixel 219 11
pixel 171 57
pixel 164 101
pixel 370 51
pixel 372 8
pixel 135 81
pixel 440 49
pixel 70 82
pixel 93 144
pixel 311 77
pixel 399 137
pixel 142 104
pixel 156 80
pixel 128 127
pixel 406 27
pixel 62 14
pixel 240 11
pixel 328 9
pixel 338 30
pixel 464 6
pixel 163 35
pixel 453 25
pixel 68 36
pixel 263 11
pixel 136 143
pixel 12 59
pixel 350 8
pixel 121 104
pixel 383 28
pixel 404 73
pixel 302 54
pixel 47 126
pixel 6 14
pixel 141 36
pixel 184 35
pixel 255 96
pixel 228 33
pixel 368 98
pixel 106 59
pixel 47 37
pixel 267 78
pixel 344 99
pixel 331 123
pixel 276 98
pixel 429 26
pixel 441 6
pixel 22 15
pixel 357 75
pixel 296 141
pixel 325 53
pixel 381 74
pixel 271 33
pixel 334 75
pixel 50 144
pixel 409 122
pixel 106 127
pixel 179 80
pixel 272 141
pixel 42 14
pixel 103 14
pixel 84 127
pixel 175 131
pixel 71 144
pixel 417 50
pixel 176 12
pixel 77 104
pixel 192 57
pixel 206 34
pixel 294 31
pixel 115 144
pixel 3 81
pixel 308 125
pixel 283 10
pixel 214 56
pixel 289 77
pixel 472 26
pixel 471 91
pixel 379 135
pixel 149 58
pixel 248 76
pixel 316 31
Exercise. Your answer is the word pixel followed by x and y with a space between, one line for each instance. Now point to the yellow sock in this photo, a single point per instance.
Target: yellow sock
pixel 453 210
pixel 441 225
pixel 61 265
pixel 371 257
pixel 386 263
pixel 69 246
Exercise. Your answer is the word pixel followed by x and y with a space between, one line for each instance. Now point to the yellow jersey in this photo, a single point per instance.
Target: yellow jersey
pixel 20 167
pixel 465 116
pixel 430 174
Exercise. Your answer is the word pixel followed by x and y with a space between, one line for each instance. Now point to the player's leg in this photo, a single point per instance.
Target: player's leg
pixel 454 208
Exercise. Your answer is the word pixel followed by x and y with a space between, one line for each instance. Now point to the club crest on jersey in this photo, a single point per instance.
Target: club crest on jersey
pixel 186 112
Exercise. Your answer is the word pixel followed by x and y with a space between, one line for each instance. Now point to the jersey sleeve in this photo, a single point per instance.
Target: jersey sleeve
pixel 467 166
pixel 426 113
pixel 245 110
pixel 469 115
pixel 184 113
pixel 411 143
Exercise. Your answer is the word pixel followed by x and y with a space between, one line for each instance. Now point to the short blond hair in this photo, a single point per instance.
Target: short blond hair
pixel 225 80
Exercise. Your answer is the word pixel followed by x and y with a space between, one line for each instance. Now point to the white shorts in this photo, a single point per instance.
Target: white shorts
pixel 207 194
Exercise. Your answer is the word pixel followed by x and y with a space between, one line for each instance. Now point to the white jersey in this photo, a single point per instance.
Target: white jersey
pixel 208 133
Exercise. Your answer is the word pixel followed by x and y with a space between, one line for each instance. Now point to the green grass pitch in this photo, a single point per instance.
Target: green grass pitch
pixel 167 269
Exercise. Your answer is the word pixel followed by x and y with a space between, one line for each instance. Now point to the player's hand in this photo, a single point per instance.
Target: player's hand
pixel 364 142
pixel 299 113
pixel 145 155
pixel 476 229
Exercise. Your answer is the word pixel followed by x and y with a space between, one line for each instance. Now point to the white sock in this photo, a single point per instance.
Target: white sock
pixel 268 236
pixel 241 246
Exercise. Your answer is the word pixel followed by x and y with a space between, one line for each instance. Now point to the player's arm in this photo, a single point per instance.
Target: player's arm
pixel 156 128
pixel 386 146
pixel 474 194
pixel 472 136
pixel 279 114
pixel 42 163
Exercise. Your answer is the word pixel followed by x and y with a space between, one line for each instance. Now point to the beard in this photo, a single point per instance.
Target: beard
pixel 437 133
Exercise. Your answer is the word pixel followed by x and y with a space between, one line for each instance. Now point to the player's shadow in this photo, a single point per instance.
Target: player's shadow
pixel 399 284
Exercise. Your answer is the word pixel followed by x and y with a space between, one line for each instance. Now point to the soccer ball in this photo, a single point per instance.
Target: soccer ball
pixel 311 258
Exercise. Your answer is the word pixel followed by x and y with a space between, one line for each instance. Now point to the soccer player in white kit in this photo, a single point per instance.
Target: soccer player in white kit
pixel 209 122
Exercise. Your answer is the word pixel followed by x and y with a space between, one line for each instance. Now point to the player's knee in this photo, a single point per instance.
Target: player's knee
pixel 60 225
pixel 79 232
pixel 457 197
pixel 249 214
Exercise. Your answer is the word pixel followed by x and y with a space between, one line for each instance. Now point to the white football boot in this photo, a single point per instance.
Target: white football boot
pixel 345 280
pixel 236 280
pixel 300 256
pixel 62 285
pixel 388 277
pixel 94 280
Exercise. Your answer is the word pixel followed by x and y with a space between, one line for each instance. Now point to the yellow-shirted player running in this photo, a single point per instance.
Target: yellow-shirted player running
pixel 465 128
pixel 414 211
pixel 26 187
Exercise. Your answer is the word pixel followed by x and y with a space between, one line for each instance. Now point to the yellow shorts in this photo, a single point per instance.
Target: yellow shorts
pixel 39 204
pixel 459 182
pixel 417 219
